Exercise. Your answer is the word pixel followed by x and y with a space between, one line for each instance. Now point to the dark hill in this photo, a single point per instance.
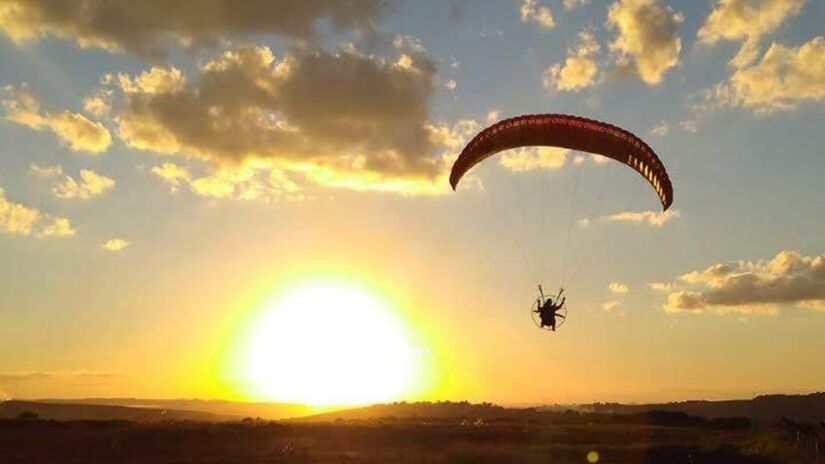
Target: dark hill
pixel 73 412
pixel 231 409
pixel 768 408
pixel 431 410
pixel 765 408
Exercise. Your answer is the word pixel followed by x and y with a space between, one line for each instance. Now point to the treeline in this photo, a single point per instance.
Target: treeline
pixel 468 414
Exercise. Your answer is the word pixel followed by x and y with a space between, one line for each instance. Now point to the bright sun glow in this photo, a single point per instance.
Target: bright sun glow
pixel 330 344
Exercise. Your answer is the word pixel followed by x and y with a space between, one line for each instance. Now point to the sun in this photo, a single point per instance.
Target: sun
pixel 331 344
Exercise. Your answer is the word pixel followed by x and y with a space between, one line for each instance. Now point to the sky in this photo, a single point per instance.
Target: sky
pixel 166 170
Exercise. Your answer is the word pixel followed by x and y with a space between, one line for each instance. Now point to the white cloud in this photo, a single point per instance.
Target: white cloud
pixel 172 174
pixel 532 12
pixel 611 305
pixel 618 288
pixel 647 33
pixel 57 228
pixel 248 183
pixel 533 158
pixel 45 172
pixel 72 129
pixel 662 287
pixel 18 219
pixel 748 21
pixel 815 305
pixel 599 160
pixel 570 5
pixel 579 69
pixel 689 125
pixel 781 80
pixel 88 185
pixel 650 218
pixel 454 137
pixel 661 130
pixel 213 186
pixel 116 244
pixel 493 116
pixel 100 104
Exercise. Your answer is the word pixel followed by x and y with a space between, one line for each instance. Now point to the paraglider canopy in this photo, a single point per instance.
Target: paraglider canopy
pixel 566 131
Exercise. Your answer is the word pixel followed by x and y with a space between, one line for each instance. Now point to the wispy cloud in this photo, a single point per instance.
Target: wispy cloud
pixel 781 80
pixel 89 184
pixel 746 21
pixel 570 5
pixel 173 174
pixel 609 306
pixel 18 219
pixel 73 130
pixel 784 77
pixel 70 375
pixel 618 288
pixel 45 172
pixel 265 184
pixel 650 218
pixel 534 158
pixel 661 130
pixel 56 228
pixel 663 287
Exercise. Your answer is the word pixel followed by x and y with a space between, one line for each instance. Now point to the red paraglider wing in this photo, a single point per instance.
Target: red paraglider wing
pixel 573 132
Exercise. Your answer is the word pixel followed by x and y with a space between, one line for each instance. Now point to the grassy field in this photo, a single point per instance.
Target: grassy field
pixel 390 441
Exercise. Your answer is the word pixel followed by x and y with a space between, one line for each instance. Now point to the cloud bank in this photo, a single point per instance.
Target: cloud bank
pixel 745 287
pixel 336 118
pixel 150 27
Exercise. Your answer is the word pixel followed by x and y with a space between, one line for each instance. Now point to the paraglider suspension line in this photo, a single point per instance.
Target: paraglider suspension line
pixel 573 212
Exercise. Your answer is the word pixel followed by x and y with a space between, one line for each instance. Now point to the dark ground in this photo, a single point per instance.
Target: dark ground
pixel 468 440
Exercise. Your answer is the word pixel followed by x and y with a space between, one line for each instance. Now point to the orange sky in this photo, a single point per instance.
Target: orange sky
pixel 165 177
